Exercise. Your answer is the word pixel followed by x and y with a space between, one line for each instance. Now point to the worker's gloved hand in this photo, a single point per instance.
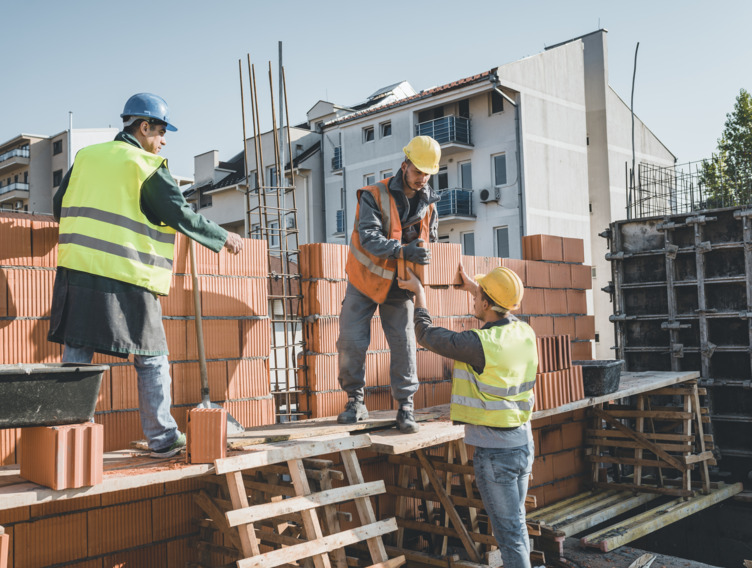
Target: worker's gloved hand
pixel 413 252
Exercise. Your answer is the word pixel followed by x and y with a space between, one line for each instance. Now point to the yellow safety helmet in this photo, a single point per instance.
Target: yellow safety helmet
pixel 424 152
pixel 503 286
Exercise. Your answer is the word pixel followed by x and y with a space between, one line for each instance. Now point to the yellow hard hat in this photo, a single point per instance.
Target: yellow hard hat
pixel 424 152
pixel 503 286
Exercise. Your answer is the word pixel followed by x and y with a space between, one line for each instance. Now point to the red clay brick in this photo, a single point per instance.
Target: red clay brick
pixel 186 381
pixel 533 301
pixel 124 387
pixel 582 351
pixel 543 470
pixel 248 378
pixel 221 339
pixel 250 413
pixel 251 261
pixel 573 434
pixel 551 441
pixel 564 325
pixel 555 301
pixel 542 325
pixel 537 274
pixel 119 527
pixel 50 541
pixel 179 302
pixel 519 266
pixel 582 278
pixel 542 247
pixel 15 246
pixel 584 327
pixel 256 338
pixel 560 275
pixel 63 457
pixel 120 429
pixel 573 250
pixel 207 435
pixel 576 302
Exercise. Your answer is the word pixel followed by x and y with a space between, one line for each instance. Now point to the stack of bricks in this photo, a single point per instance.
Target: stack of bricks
pixel 236 330
pixel 557 382
pixel 324 283
pixel 555 284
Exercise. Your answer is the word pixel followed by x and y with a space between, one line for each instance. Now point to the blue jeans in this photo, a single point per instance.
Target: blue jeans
pixel 355 335
pixel 154 398
pixel 501 475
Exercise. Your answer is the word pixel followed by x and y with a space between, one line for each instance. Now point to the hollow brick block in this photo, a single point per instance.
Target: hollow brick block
pixel 573 250
pixel 542 247
pixel 207 435
pixel 63 457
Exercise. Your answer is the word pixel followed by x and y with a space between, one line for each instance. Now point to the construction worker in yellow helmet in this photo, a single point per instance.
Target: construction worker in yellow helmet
pixel 393 218
pixel 492 394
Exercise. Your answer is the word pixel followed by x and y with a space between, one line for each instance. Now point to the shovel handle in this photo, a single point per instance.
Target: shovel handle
pixel 199 324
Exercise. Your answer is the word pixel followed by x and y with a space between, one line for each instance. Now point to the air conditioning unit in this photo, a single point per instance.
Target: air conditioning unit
pixel 489 195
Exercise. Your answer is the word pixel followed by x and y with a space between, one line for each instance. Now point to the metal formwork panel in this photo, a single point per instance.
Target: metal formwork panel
pixel 682 297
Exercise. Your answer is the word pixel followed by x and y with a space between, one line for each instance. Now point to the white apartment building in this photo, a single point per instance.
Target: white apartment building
pixel 32 166
pixel 534 146
pixel 219 189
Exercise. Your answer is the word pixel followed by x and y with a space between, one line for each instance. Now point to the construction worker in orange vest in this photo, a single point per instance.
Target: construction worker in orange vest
pixel 393 219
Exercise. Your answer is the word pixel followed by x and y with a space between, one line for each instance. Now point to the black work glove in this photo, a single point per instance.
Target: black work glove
pixel 416 253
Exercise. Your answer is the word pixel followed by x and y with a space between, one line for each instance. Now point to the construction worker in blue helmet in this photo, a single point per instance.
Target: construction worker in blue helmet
pixel 119 209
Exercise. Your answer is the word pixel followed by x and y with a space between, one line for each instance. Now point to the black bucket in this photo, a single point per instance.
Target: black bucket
pixel 600 376
pixel 50 394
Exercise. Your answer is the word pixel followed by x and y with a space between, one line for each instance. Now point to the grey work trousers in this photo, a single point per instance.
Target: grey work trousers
pixel 355 336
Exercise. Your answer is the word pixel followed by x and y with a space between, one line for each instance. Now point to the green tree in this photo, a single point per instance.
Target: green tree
pixel 727 177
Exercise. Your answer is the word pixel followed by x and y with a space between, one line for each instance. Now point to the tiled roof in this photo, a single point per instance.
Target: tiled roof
pixel 419 96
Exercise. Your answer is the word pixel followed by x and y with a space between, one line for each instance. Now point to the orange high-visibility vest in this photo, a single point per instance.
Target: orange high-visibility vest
pixel 370 274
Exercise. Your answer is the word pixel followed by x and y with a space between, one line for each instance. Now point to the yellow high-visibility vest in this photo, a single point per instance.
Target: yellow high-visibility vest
pixel 102 228
pixel 501 396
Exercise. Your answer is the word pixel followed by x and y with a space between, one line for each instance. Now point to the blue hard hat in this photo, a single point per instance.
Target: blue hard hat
pixel 148 105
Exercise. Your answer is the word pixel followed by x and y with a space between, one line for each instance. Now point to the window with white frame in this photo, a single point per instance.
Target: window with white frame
pixel 369 179
pixel 274 234
pixel 466 175
pixel 440 179
pixel 499 163
pixel 368 134
pixel 501 242
pixel 385 174
pixel 385 129
pixel 271 176
pixel 468 243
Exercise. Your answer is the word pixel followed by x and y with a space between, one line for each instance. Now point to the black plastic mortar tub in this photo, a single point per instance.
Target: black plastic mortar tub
pixel 600 376
pixel 48 394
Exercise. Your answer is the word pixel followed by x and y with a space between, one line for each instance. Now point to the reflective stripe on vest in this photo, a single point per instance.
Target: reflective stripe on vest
pixel 102 228
pixel 371 275
pixel 502 395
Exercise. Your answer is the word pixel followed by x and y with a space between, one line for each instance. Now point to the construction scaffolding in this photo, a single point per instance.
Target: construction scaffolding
pixel 271 215
pixel 694 186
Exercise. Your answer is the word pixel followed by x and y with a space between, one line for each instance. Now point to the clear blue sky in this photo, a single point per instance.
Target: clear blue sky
pixel 90 56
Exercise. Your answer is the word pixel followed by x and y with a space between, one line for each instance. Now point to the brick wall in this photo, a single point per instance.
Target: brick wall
pixel 236 330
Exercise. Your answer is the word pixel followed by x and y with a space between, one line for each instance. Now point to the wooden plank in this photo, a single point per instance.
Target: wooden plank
pixel 430 434
pixel 458 500
pixel 413 557
pixel 658 436
pixel 249 544
pixel 363 505
pixel 205 502
pixel 391 563
pixel 447 503
pixel 287 451
pixel 423 527
pixel 645 489
pixel 403 478
pixel 654 414
pixel 320 546
pixel 704 474
pixel 437 464
pixel 331 517
pixel 675 463
pixel 631 529
pixel 303 503
pixel 609 510
pixel 636 445
pixel 551 514
pixel 310 519
pixel 626 461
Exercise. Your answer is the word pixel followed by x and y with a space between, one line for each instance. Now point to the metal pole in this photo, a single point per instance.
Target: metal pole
pixel 631 109
pixel 245 156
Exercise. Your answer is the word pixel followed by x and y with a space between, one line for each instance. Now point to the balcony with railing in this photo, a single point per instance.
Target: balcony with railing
pixel 14 159
pixel 14 191
pixel 452 132
pixel 456 204
pixel 340 221
pixel 337 159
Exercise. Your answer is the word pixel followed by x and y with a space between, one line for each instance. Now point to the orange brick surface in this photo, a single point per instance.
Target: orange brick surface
pixel 207 435
pixel 63 457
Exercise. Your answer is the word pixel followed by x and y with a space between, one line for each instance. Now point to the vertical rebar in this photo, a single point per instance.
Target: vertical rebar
pixel 245 156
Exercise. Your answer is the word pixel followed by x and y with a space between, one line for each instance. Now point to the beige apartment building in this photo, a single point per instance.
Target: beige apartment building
pixel 32 166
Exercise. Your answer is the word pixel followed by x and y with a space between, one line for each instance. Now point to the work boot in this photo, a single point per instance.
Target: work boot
pixel 406 420
pixel 355 410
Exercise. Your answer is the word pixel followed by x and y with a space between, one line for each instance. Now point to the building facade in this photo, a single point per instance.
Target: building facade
pixel 534 146
pixel 32 166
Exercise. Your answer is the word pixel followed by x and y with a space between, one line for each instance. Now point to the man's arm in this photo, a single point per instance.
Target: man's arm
pixel 371 230
pixel 433 227
pixel 163 202
pixel 464 346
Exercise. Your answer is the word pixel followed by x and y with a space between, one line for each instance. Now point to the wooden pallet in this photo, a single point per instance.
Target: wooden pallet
pixel 437 497
pixel 668 440
pixel 267 522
